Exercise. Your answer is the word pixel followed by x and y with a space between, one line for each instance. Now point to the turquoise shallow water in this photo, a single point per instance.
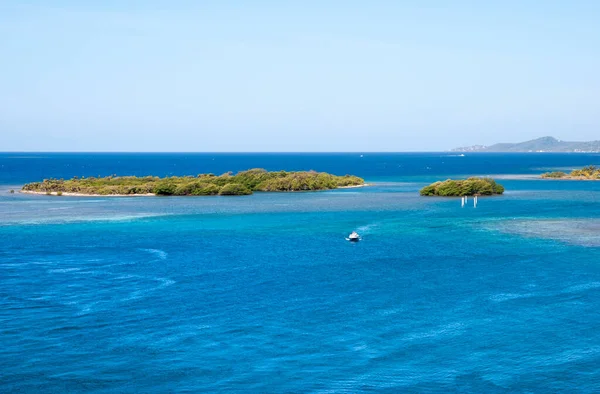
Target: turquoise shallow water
pixel 263 294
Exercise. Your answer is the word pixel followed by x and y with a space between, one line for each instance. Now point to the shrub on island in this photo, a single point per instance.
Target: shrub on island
pixel 242 183
pixel 588 172
pixel 468 187
pixel 234 189
pixel 555 174
pixel 305 181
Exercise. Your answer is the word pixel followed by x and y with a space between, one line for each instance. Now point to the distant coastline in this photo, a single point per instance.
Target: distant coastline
pixel 544 144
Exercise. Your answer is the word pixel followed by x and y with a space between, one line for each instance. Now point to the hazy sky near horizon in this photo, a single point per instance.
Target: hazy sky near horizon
pixel 295 75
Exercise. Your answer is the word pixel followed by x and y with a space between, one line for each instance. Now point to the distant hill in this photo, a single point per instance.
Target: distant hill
pixel 544 144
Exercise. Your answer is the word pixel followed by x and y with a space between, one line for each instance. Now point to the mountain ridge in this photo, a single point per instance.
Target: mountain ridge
pixel 543 144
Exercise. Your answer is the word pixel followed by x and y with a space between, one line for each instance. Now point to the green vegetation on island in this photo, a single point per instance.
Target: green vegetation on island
pixel 554 174
pixel 588 172
pixel 228 184
pixel 467 187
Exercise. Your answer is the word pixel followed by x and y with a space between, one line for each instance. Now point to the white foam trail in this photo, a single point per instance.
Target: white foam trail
pixel 388 312
pixel 63 270
pixel 582 287
pixel 161 254
pixel 119 264
pixel 87 308
pixel 501 297
pixel 452 329
pixel 26 263
pixel 366 228
pixel 164 282
pixel 128 277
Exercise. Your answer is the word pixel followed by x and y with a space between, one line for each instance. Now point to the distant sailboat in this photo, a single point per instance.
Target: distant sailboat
pixel 475 202
pixel 462 202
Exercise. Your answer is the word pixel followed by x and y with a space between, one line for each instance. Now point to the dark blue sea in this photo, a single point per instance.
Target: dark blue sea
pixel 263 293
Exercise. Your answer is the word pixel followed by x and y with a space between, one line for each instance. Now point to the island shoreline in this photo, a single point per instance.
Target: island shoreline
pixel 68 194
pixel 567 178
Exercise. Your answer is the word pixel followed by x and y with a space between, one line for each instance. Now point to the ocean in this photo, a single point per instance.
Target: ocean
pixel 263 293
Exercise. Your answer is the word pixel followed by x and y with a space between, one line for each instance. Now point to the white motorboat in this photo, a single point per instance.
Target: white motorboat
pixel 353 237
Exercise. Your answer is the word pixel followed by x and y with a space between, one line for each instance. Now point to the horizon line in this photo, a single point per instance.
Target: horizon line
pixel 278 152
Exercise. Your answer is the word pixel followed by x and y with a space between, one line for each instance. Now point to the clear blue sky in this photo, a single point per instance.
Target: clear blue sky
pixel 295 75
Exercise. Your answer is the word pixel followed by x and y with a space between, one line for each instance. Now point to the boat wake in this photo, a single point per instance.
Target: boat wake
pixel 142 293
pixel 573 289
pixel 63 270
pixel 367 229
pixel 438 333
pixel 161 254
pixel 582 287
pixel 501 297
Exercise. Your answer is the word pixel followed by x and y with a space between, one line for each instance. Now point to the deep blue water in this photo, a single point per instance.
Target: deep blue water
pixel 263 294
pixel 16 168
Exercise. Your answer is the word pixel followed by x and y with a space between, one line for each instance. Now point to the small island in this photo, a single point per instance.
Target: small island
pixel 586 173
pixel 468 187
pixel 228 184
